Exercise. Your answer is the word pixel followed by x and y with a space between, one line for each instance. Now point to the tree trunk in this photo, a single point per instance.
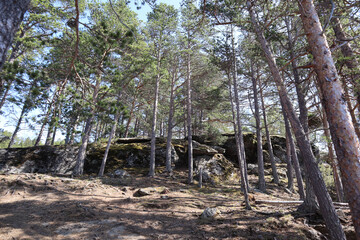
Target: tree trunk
pixel 238 149
pixel 310 204
pixel 11 15
pixel 260 158
pixel 154 118
pixel 188 121
pixel 50 130
pixel 326 207
pixel 112 133
pixel 268 139
pixel 333 161
pixel 58 91
pixel 238 130
pixel 294 157
pixel 345 140
pixel 53 136
pixel 4 97
pixel 70 130
pixel 303 116
pixel 170 124
pixel 289 167
pixel 43 125
pixel 79 167
pixel 130 118
pixel 17 128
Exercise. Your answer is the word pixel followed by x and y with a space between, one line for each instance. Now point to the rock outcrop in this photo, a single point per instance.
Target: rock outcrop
pixel 41 159
pixel 217 162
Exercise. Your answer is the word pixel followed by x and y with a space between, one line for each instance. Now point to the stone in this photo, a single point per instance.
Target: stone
pixel 121 174
pixel 213 167
pixel 252 169
pixel 210 213
pixel 143 192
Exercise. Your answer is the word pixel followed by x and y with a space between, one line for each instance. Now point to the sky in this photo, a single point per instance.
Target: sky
pixel 142 13
pixel 8 122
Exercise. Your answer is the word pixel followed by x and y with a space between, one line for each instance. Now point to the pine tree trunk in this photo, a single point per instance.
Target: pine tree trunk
pixel 188 121
pixel 11 15
pixel 130 118
pixel 289 167
pixel 303 116
pixel 333 161
pixel 112 133
pixel 310 204
pixel 326 206
pixel 50 131
pixel 294 157
pixel 170 125
pixel 17 128
pixel 59 88
pixel 43 125
pixel 268 139
pixel 79 167
pixel 4 97
pixel 70 130
pixel 154 118
pixel 238 132
pixel 260 158
pixel 345 140
pixel 238 148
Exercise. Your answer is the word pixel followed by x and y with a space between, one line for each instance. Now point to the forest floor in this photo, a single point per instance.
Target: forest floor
pixel 37 206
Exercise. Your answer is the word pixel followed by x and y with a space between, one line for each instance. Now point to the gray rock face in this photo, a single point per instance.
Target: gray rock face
pixel 42 159
pixel 214 167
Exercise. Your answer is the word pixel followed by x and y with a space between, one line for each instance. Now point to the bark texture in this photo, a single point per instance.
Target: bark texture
pixel 342 130
pixel 11 15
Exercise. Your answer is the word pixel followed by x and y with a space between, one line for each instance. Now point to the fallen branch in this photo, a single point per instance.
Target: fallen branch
pixel 336 204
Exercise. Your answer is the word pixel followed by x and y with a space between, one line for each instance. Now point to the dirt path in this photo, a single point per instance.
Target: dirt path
pixel 35 206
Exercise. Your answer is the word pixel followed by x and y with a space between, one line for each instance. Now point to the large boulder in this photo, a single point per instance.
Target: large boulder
pixel 250 142
pixel 250 148
pixel 214 168
pixel 41 159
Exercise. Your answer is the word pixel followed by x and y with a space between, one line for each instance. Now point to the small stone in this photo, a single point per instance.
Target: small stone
pixel 210 213
pixel 142 192
pixel 121 174
pixel 165 191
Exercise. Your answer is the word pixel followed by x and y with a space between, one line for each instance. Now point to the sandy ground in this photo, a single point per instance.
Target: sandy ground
pixel 36 206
